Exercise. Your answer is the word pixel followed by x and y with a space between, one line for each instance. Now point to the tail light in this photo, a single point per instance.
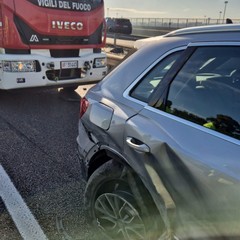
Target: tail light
pixel 84 103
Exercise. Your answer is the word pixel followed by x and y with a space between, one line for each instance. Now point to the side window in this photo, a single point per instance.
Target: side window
pixel 150 81
pixel 206 91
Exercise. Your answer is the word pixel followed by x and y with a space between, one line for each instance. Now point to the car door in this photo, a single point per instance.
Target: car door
pixel 190 140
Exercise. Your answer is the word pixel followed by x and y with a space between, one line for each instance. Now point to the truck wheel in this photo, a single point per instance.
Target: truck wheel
pixel 113 210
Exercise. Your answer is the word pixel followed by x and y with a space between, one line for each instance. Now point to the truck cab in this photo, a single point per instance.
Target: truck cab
pixel 51 43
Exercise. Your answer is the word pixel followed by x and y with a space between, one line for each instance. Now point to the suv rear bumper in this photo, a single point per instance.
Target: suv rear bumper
pixel 86 148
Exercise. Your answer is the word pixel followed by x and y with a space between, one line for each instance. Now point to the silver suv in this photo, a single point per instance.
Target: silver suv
pixel 159 140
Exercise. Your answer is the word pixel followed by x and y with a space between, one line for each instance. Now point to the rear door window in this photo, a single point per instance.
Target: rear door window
pixel 206 90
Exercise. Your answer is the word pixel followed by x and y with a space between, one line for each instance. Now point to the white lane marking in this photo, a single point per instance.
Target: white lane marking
pixel 25 222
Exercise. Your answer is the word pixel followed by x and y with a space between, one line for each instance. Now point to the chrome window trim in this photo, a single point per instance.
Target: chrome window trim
pixel 194 125
pixel 127 91
pixel 217 44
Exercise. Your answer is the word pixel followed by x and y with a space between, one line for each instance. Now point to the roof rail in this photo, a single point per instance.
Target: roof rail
pixel 190 30
pixel 205 29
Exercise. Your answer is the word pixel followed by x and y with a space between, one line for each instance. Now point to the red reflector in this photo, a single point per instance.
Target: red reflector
pixel 83 106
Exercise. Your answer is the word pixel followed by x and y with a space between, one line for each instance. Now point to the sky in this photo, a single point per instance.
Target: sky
pixel 173 8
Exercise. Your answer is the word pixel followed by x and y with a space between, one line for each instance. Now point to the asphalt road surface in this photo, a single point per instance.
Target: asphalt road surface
pixel 41 187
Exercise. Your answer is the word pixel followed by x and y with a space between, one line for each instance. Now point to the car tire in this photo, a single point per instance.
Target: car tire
pixel 112 207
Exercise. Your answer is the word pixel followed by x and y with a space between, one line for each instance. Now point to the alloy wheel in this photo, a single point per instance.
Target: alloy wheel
pixel 118 218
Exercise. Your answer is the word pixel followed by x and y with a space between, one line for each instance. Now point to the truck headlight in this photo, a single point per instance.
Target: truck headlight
pixel 100 62
pixel 19 66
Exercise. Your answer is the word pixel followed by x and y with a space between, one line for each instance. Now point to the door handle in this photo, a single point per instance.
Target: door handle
pixel 137 145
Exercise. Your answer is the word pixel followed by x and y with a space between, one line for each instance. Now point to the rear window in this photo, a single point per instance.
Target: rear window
pixel 123 21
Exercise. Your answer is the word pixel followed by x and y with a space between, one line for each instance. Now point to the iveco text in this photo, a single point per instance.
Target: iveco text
pixel 67 25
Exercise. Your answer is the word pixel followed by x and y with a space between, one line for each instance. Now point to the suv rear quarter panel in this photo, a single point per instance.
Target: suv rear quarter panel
pixel 200 170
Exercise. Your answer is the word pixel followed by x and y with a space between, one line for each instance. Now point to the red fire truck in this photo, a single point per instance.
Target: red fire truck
pixel 51 43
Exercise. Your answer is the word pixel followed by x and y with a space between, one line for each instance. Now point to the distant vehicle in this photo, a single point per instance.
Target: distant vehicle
pixel 51 43
pixel 119 25
pixel 159 140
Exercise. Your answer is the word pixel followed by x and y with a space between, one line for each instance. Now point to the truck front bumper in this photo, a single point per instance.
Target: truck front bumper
pixel 50 71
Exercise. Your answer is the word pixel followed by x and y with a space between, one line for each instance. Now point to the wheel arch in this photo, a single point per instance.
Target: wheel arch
pixel 163 205
pixel 105 154
pixel 155 186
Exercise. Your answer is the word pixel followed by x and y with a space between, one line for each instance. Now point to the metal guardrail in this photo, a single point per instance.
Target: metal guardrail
pixel 175 23
pixel 158 26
